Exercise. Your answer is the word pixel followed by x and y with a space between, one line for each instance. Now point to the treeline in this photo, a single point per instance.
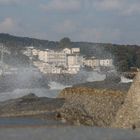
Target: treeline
pixel 125 56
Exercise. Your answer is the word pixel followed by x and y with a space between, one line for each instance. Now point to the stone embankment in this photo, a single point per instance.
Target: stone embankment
pixel 88 106
pixel 103 107
pixel 129 114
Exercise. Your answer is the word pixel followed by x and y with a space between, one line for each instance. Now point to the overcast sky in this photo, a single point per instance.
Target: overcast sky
pixel 108 21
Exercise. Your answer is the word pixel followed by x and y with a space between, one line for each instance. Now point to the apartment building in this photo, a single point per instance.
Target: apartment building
pixel 57 61
pixel 106 62
pixel 58 58
pixel 91 62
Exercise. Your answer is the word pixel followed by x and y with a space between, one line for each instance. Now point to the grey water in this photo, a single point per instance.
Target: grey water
pixel 68 133
pixel 10 122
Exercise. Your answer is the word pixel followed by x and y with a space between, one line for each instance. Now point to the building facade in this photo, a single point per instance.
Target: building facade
pixel 106 62
pixel 91 62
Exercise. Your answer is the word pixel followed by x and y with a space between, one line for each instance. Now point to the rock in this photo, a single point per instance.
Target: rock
pixel 29 105
pixel 129 114
pixel 88 106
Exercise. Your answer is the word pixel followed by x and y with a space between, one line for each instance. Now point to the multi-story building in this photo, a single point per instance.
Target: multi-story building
pixel 73 64
pixel 58 58
pixel 48 69
pixel 106 62
pixel 67 51
pixel 72 59
pixel 57 61
pixel 43 56
pixel 73 69
pixel 72 50
pixel 75 50
pixel 91 62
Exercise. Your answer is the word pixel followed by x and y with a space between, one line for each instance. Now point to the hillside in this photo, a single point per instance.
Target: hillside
pixel 125 56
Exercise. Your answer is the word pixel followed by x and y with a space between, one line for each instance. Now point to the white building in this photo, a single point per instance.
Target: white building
pixel 28 51
pixel 73 65
pixel 73 69
pixel 56 62
pixel 106 62
pixel 72 60
pixel 58 58
pixel 75 50
pixel 48 69
pixel 35 52
pixel 91 62
pixel 67 51
pixel 43 56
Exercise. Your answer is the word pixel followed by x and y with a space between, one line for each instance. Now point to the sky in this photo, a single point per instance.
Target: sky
pixel 106 21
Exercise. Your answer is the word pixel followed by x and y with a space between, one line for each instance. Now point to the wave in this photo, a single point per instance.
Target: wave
pixel 57 86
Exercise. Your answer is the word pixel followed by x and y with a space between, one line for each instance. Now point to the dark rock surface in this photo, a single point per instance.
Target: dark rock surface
pixel 29 105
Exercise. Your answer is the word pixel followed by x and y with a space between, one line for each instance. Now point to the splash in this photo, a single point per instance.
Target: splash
pixel 126 80
pixel 57 86
pixel 95 76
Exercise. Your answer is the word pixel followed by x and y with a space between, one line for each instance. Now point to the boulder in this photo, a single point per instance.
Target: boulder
pixel 89 106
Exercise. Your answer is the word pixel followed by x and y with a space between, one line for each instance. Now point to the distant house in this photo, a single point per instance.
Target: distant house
pixel 75 50
pixel 67 51
pixel 43 56
pixel 92 62
pixel 73 64
pixel 73 69
pixel 35 52
pixel 106 62
pixel 72 60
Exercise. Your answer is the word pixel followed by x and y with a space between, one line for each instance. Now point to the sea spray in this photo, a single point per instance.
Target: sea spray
pixel 57 86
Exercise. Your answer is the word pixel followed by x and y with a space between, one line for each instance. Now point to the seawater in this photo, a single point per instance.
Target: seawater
pixel 26 122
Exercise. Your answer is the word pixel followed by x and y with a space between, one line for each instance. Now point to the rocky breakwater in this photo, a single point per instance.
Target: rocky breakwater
pixel 129 114
pixel 29 105
pixel 91 106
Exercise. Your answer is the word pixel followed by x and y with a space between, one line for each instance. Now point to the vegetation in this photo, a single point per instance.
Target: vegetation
pixel 65 42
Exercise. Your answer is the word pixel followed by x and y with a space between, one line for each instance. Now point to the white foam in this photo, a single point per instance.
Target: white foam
pixel 57 86
pixel 95 76
pixel 126 80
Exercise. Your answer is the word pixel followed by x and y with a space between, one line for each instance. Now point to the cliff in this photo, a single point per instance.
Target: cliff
pixel 89 106
pixel 129 114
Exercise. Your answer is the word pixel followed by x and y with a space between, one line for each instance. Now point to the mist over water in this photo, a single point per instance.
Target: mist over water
pixel 17 93
pixel 57 86
pixel 95 76
pixel 30 80
pixel 126 80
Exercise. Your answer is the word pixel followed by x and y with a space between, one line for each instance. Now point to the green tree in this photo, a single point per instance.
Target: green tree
pixel 65 43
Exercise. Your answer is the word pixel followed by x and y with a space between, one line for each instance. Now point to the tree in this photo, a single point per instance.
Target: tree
pixel 65 43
